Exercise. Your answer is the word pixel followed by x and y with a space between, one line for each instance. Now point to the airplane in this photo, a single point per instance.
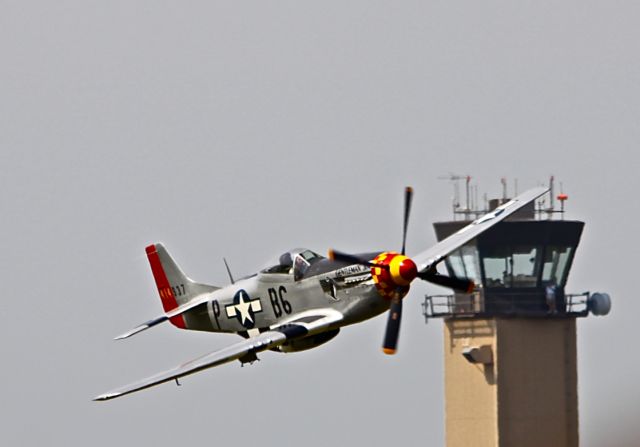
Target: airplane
pixel 305 299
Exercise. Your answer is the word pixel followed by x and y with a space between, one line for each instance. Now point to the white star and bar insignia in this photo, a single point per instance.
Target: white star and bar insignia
pixel 244 308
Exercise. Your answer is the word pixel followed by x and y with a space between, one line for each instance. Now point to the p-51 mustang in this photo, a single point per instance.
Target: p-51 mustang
pixel 304 300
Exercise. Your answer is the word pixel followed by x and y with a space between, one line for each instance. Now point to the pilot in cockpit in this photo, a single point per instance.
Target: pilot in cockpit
pixel 294 262
pixel 286 261
pixel 296 265
pixel 284 266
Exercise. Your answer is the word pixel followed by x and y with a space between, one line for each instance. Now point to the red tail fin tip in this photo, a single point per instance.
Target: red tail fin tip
pixel 164 287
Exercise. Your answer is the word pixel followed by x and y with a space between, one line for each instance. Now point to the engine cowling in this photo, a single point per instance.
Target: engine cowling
pixel 396 277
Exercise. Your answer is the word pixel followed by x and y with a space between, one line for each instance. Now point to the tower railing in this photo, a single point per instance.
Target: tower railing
pixel 515 304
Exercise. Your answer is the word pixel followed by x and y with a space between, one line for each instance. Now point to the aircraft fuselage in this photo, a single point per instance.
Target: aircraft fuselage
pixel 256 303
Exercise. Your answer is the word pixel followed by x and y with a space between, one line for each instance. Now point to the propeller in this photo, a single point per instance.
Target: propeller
pixel 459 284
pixel 353 259
pixel 392 331
pixel 393 273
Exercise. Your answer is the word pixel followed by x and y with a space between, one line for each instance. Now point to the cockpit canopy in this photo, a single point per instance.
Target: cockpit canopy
pixel 296 261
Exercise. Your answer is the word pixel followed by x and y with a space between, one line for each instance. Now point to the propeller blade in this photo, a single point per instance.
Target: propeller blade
pixel 392 332
pixel 346 257
pixel 461 285
pixel 408 198
pixel 336 255
pixel 390 343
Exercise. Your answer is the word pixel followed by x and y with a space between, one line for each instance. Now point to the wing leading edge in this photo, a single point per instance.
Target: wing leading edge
pixel 430 257
pixel 244 349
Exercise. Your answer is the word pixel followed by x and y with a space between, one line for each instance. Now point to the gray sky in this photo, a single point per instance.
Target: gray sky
pixel 241 129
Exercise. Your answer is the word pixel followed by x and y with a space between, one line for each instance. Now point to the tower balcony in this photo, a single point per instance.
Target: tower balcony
pixel 511 304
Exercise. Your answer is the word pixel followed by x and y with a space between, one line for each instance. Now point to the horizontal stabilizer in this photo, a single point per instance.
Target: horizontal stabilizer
pixel 142 327
pixel 162 318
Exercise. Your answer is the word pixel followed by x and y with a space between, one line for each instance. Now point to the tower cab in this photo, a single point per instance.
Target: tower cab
pixel 520 268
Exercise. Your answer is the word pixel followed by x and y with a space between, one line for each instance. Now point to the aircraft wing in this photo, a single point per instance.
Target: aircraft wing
pixel 302 325
pixel 430 257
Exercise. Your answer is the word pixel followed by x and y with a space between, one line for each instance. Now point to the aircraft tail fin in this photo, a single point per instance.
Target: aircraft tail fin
pixel 174 287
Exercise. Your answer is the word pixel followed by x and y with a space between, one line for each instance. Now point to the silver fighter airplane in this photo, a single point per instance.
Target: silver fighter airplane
pixel 304 300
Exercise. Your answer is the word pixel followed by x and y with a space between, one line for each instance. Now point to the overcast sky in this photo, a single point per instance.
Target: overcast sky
pixel 241 129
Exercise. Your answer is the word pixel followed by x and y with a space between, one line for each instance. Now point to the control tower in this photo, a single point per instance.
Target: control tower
pixel 510 345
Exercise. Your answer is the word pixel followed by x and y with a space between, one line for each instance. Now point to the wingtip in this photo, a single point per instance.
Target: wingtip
pixel 127 334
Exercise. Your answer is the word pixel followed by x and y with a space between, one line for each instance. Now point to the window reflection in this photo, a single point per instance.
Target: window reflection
pixel 464 263
pixel 512 266
pixel 555 265
pixel 496 267
pixel 471 262
pixel 516 266
pixel 455 266
pixel 524 267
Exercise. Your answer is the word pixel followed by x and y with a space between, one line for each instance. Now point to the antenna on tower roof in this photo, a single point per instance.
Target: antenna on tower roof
pixel 455 179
